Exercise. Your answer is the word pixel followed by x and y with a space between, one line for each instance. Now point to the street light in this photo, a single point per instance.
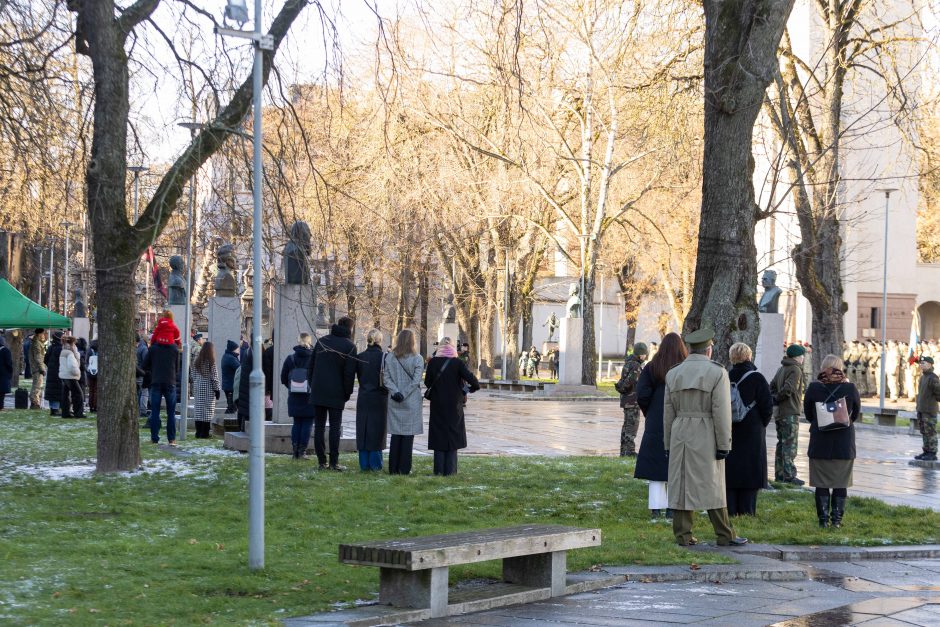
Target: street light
pixel 65 290
pixel 237 10
pixel 884 303
pixel 192 126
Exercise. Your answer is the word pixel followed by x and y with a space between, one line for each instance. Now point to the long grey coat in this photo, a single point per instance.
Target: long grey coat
pixel 404 376
pixel 697 424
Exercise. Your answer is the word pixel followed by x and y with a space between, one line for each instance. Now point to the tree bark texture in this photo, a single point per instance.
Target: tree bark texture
pixel 741 39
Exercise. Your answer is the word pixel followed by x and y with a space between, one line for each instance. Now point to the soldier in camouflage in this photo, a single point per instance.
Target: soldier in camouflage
pixel 626 386
pixel 787 388
pixel 927 408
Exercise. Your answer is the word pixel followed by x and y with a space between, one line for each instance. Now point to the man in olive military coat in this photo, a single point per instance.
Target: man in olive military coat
pixel 697 438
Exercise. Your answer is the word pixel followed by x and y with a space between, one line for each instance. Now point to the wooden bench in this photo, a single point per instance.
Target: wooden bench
pixel 413 572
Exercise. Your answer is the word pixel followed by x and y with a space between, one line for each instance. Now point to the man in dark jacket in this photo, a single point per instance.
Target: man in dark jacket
pixel 626 386
pixel 6 371
pixel 928 396
pixel 53 392
pixel 331 373
pixel 141 353
pixel 243 402
pixel 162 362
pixel 787 388
pixel 229 367
pixel 267 367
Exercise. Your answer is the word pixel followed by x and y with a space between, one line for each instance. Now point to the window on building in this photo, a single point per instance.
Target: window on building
pixel 875 318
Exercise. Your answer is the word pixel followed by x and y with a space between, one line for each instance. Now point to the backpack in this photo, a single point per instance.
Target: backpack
pixel 738 409
pixel 93 365
pixel 298 383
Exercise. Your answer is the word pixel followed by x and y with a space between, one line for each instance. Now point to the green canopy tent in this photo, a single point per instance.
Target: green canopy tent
pixel 19 312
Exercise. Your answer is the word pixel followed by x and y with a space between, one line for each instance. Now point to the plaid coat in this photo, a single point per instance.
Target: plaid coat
pixel 204 389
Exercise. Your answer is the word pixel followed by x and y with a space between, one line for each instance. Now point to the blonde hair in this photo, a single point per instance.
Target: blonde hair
pixel 375 337
pixel 832 361
pixel 167 314
pixel 304 340
pixel 405 343
pixel 446 340
pixel 739 352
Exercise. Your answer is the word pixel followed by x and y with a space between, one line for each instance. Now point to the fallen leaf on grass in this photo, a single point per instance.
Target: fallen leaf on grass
pixel 694 567
pixel 219 546
pixel 92 610
pixel 193 540
pixel 56 594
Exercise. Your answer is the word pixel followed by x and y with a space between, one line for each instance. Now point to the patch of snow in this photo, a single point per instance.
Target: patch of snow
pixel 85 469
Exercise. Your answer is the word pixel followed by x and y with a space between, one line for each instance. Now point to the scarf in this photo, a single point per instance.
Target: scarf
pixel 446 350
pixel 831 375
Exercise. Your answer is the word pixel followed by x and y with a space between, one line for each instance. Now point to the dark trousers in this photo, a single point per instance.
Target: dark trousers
pixel 300 432
pixel 160 391
pixel 229 402
pixel 336 428
pixel 682 525
pixel 399 454
pixel 93 394
pixel 741 502
pixel 202 429
pixel 73 401
pixel 3 398
pixel 445 463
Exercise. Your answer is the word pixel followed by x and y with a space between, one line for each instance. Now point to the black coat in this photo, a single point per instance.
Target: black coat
pixel 746 466
pixel 6 368
pixel 162 362
pixel 838 444
pixel 298 405
pixel 244 382
pixel 446 428
pixel 651 461
pixel 229 366
pixel 332 369
pixel 53 382
pixel 267 367
pixel 371 402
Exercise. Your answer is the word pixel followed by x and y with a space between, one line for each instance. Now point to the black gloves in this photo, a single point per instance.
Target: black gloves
pixel 398 397
pixel 217 394
pixel 721 454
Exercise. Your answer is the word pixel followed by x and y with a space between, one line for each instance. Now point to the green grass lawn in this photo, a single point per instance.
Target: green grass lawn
pixel 168 545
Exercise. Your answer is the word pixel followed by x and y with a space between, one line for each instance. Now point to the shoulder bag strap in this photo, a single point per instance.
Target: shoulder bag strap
pixel 402 366
pixel 438 377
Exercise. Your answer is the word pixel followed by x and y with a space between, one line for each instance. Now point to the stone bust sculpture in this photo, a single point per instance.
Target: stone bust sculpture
pixel 769 301
pixel 225 279
pixel 78 309
pixel 176 286
pixel 573 306
pixel 450 312
pixel 296 254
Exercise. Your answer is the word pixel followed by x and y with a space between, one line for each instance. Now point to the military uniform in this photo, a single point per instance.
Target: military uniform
pixel 787 388
pixel 892 369
pixel 629 375
pixel 697 438
pixel 928 405
pixel 37 359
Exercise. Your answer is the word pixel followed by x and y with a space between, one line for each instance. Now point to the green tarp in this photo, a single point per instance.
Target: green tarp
pixel 18 312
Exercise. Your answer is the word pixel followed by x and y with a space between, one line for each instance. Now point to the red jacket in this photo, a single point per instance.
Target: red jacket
pixel 166 333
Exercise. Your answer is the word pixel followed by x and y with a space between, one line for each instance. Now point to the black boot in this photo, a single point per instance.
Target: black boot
pixel 838 510
pixel 296 451
pixel 822 509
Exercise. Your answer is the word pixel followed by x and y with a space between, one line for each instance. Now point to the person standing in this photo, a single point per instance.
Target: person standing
pixel 446 377
pixel 243 397
pixel 198 341
pixel 402 378
pixel 37 355
pixel 6 371
pixel 267 368
pixel 831 452
pixel 27 368
pixel 143 391
pixel 371 403
pixel 204 376
pixel 331 373
pixel 552 363
pixel 92 372
pixel 787 387
pixel 626 386
pixel 162 363
pixel 53 390
pixel 697 438
pixel 746 464
pixel 230 366
pixel 70 374
pixel 294 378
pixel 652 463
pixel 928 395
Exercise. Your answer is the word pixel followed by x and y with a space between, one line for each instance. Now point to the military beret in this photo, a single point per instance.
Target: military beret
pixel 795 350
pixel 927 358
pixel 640 349
pixel 700 338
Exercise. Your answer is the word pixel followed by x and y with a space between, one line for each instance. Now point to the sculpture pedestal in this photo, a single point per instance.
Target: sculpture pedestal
pixel 81 327
pixel 225 323
pixel 548 346
pixel 448 329
pixel 295 312
pixel 571 347
pixel 770 344
pixel 179 317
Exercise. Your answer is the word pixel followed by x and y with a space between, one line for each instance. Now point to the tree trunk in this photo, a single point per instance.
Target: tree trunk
pixel 589 344
pixel 527 324
pixel 741 39
pixel 424 286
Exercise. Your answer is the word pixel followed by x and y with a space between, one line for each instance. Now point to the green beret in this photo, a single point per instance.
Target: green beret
pixel 701 338
pixel 640 349
pixel 927 358
pixel 795 350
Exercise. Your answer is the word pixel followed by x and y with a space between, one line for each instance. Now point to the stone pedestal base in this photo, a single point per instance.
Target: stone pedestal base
pixel 81 327
pixel 295 312
pixel 570 351
pixel 770 344
pixel 225 323
pixel 448 329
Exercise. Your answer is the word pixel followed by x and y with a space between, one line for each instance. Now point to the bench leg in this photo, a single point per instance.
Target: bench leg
pixel 418 589
pixel 542 570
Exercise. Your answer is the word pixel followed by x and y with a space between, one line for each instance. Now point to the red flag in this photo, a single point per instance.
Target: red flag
pixel 155 271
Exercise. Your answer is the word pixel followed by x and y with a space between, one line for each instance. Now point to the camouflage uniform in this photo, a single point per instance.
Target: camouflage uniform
pixel 787 388
pixel 37 358
pixel 629 375
pixel 927 408
pixel 788 430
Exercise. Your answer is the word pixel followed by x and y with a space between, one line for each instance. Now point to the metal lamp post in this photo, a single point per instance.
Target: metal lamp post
pixel 884 303
pixel 65 289
pixel 238 11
